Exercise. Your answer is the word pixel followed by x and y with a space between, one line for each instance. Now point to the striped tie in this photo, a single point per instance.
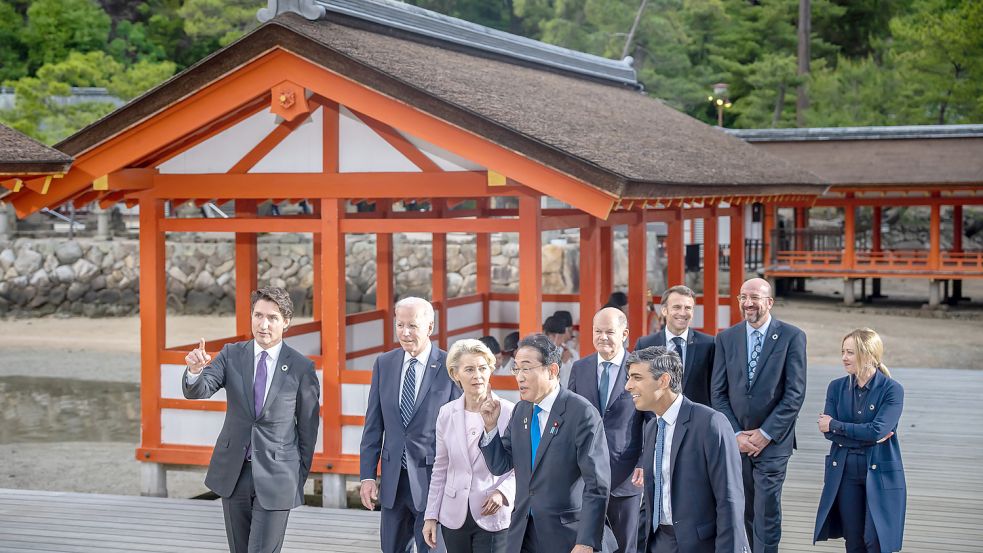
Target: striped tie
pixel 752 364
pixel 408 397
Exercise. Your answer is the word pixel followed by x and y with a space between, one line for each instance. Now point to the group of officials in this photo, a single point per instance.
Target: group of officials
pixel 680 445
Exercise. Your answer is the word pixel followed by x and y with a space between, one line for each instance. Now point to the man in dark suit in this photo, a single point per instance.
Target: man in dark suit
pixel 600 378
pixel 694 347
pixel 263 454
pixel 555 442
pixel 759 382
pixel 409 385
pixel 692 468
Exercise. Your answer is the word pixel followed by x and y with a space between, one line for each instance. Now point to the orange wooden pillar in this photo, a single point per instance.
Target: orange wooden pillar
pixel 637 279
pixel 439 282
pixel 935 234
pixel 246 258
pixel 606 261
pixel 801 222
pixel 590 281
pixel 957 247
pixel 768 238
pixel 849 233
pixel 384 295
pixel 876 217
pixel 483 263
pixel 316 260
pixel 153 311
pixel 530 263
pixel 711 289
pixel 736 261
pixel 675 251
pixel 332 309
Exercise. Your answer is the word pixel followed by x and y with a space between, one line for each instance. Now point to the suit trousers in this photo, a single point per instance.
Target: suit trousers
pixel 663 541
pixel 851 501
pixel 763 480
pixel 249 527
pixel 623 516
pixel 403 523
pixel 471 538
pixel 530 542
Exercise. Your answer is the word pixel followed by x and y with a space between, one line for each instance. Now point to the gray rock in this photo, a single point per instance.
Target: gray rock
pixel 68 252
pixel 225 267
pixel 352 291
pixel 454 283
pixel 204 281
pixel 98 283
pixel 108 296
pixel 57 294
pixel 128 298
pixel 64 273
pixel 7 259
pixel 76 290
pixel 177 274
pixel 278 283
pixel 40 279
pixel 85 270
pixel 280 261
pixel 28 261
pixel 223 279
pixel 95 255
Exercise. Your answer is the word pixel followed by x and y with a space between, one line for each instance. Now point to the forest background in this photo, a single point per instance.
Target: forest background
pixel 871 62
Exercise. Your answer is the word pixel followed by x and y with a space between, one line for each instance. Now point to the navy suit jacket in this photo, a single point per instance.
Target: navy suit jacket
pixel 698 365
pixel 706 487
pixel 773 400
pixel 622 422
pixel 886 490
pixel 567 487
pixel 383 435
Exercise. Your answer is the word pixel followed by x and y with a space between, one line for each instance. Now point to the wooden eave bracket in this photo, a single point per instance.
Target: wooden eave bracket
pixel 126 180
pixel 289 101
pixel 42 184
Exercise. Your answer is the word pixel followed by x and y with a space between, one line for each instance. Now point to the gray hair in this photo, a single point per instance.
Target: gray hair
pixel 415 302
pixel 660 361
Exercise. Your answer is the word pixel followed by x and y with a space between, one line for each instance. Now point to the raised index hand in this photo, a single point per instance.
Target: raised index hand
pixel 490 411
pixel 198 358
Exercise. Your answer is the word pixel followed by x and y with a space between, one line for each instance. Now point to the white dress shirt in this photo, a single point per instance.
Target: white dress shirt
pixel 613 379
pixel 670 417
pixel 273 355
pixel 672 345
pixel 421 366
pixel 546 405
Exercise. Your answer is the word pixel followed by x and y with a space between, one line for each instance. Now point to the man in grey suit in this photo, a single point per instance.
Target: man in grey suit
pixel 409 385
pixel 759 383
pixel 555 442
pixel 692 468
pixel 263 454
pixel 694 347
pixel 600 378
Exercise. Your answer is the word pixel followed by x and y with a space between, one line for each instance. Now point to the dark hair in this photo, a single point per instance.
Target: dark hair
pixel 548 353
pixel 554 325
pixel 511 342
pixel 491 343
pixel 617 299
pixel 678 289
pixel 660 361
pixel 277 295
pixel 564 316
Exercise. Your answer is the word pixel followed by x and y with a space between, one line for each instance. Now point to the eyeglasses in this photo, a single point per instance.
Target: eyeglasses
pixel 524 370
pixel 742 298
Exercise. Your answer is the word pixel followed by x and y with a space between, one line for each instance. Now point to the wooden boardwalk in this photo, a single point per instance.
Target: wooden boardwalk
pixel 941 439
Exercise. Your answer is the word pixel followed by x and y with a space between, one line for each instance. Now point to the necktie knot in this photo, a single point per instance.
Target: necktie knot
pixel 536 410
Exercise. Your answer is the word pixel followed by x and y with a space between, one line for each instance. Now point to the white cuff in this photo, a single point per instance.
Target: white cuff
pixel 488 437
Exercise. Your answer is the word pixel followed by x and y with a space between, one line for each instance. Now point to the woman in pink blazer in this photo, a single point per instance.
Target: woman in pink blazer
pixel 472 506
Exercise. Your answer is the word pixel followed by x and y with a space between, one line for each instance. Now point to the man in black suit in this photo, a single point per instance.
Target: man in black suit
pixel 695 348
pixel 692 468
pixel 759 382
pixel 600 378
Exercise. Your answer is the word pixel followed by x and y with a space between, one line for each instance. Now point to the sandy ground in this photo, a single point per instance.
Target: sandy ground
pixel 107 351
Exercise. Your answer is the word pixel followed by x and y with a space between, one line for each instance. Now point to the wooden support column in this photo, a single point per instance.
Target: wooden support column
pixel 935 235
pixel 483 263
pixel 768 239
pixel 607 261
pixel 590 281
pixel 332 309
pixel 439 254
pixel 637 280
pixel 849 234
pixel 316 260
pixel 877 216
pixel 711 290
pixel 153 311
pixel 530 263
pixel 957 247
pixel 737 256
pixel 801 223
pixel 384 295
pixel 247 265
pixel 675 251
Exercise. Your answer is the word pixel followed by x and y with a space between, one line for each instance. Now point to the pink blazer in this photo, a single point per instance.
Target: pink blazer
pixel 460 477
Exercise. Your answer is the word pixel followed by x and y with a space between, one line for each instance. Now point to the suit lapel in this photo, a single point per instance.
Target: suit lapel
pixel 521 439
pixel 554 424
pixel 588 383
pixel 690 353
pixel 741 335
pixel 246 362
pixel 430 371
pixel 279 376
pixel 622 377
pixel 470 452
pixel 682 424
pixel 768 345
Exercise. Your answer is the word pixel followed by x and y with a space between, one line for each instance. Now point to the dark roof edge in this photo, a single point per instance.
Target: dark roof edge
pixel 46 167
pixel 635 190
pixel 901 132
pixel 425 23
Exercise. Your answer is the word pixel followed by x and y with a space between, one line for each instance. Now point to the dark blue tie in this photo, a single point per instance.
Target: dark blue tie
pixel 602 388
pixel 408 397
pixel 535 433
pixel 677 342
pixel 660 444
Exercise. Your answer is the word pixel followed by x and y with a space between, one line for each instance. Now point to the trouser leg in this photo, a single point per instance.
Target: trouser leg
pixel 238 510
pixel 623 515
pixel 769 476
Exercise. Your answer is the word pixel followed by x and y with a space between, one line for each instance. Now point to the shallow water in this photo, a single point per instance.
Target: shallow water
pixel 38 409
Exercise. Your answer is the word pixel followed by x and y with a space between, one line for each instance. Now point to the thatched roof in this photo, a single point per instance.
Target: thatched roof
pixel 21 155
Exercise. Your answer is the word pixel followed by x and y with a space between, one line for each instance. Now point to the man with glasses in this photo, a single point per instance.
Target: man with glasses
pixel 758 383
pixel 555 442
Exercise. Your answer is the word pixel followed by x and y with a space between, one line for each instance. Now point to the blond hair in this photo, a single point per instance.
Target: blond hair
pixel 870 352
pixel 468 346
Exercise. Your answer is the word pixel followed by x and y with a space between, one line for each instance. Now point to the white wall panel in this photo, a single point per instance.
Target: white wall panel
pixel 354 399
pixel 503 311
pixel 361 150
pixel 351 439
pixel 461 316
pixel 299 152
pixel 446 160
pixel 550 307
pixel 179 426
pixel 307 344
pixel 170 383
pixel 219 153
pixel 363 363
pixel 365 335
pixel 511 395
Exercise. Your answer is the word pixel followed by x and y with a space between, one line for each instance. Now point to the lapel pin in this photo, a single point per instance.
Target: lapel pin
pixel 433 366
pixel 283 368
pixel 525 424
pixel 555 426
pixel 774 336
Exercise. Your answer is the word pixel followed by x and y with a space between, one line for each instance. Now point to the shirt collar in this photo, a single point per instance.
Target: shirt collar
pixel 423 358
pixel 763 330
pixel 670 335
pixel 273 352
pixel 673 412
pixel 616 361
pixel 547 403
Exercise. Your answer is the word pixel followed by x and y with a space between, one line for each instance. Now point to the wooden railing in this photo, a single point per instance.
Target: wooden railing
pixel 912 262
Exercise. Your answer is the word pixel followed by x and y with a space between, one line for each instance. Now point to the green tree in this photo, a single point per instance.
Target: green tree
pixel 56 27
pixel 13 51
pixel 221 20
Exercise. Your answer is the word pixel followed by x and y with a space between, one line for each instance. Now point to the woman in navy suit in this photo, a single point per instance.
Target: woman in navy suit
pixel 864 491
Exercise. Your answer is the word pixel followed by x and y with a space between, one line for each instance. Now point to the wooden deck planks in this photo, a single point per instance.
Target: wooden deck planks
pixel 941 436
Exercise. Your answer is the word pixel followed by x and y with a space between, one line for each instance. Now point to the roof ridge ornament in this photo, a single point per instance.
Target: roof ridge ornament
pixel 305 8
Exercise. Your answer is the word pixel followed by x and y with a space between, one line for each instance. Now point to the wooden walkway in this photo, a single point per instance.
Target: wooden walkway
pixel 941 439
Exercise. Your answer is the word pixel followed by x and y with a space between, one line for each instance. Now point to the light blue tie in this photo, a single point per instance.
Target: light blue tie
pixel 535 433
pixel 602 388
pixel 752 364
pixel 660 445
